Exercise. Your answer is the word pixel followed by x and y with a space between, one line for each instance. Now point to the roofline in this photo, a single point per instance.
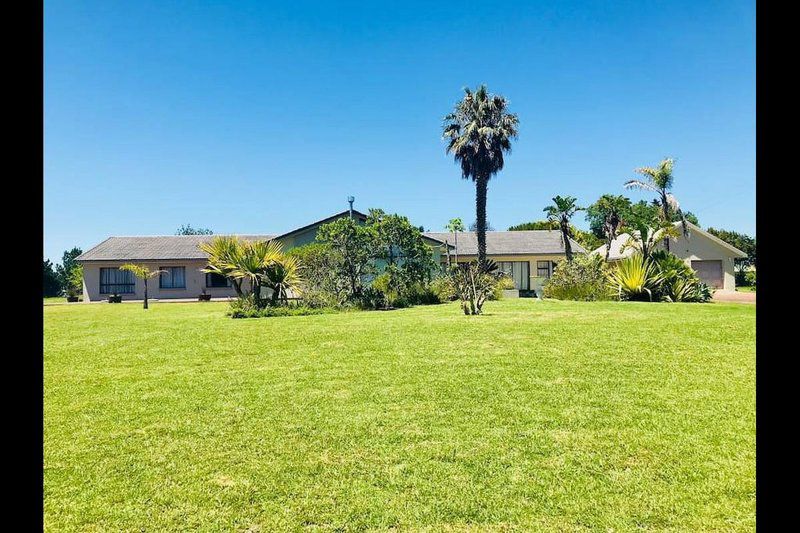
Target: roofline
pixel 714 238
pixel 356 213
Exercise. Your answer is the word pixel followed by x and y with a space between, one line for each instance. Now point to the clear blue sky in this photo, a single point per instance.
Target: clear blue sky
pixel 260 117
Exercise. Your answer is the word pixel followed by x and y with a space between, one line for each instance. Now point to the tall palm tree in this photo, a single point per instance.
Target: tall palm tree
pixel 560 212
pixel 480 130
pixel 659 180
pixel 455 226
pixel 142 272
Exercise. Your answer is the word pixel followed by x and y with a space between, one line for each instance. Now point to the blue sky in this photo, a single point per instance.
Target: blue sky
pixel 263 116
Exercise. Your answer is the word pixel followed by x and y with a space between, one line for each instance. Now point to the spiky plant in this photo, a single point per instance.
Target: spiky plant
pixel 479 131
pixel 659 180
pixel 560 212
pixel 224 251
pixel 635 278
pixel 142 272
pixel 283 275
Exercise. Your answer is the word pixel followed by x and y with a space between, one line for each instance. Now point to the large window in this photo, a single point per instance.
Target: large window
pixel 172 278
pixel 116 281
pixel 519 271
pixel 217 280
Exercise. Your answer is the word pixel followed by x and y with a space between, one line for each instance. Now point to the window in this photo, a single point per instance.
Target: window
pixel 543 269
pixel 217 280
pixel 519 271
pixel 116 281
pixel 173 278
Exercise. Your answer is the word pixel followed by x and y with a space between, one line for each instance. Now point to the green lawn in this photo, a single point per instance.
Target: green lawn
pixel 538 415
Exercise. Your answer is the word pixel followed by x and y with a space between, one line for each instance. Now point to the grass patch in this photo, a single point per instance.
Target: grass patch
pixel 746 288
pixel 537 415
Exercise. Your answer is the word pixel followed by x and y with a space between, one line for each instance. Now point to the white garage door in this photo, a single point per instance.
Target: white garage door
pixel 709 272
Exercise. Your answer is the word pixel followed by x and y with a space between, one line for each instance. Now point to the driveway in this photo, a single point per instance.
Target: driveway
pixel 734 296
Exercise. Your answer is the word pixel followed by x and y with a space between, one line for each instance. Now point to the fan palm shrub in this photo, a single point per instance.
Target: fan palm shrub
pixel 224 251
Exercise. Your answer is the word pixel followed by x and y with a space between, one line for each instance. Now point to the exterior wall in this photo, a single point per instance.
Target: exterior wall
pixel 195 281
pixel 536 282
pixel 698 247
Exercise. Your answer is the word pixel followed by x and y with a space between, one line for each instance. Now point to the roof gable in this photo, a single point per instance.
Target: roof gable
pixel 531 242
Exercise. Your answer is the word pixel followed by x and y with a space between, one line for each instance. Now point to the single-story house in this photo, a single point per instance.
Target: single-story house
pixel 709 256
pixel 528 257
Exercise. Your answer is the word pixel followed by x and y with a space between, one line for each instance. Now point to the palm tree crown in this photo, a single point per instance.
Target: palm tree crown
pixel 562 209
pixel 659 180
pixel 480 130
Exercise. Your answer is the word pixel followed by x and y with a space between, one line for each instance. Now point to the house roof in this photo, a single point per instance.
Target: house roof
pixel 532 242
pixel 616 245
pixel 157 247
pixel 357 214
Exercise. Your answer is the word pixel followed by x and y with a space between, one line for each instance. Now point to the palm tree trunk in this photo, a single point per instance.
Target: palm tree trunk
pixel 567 244
pixel 666 215
pixel 481 186
pixel 145 293
pixel 455 237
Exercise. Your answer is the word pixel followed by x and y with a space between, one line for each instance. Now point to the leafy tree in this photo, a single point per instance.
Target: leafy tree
pixel 187 229
pixel 560 212
pixel 51 284
pixel 688 216
pixel 323 286
pixel 142 272
pixel 606 216
pixel 351 243
pixel 645 226
pixel 454 226
pixel 64 270
pixel 659 180
pixel 743 242
pixel 75 281
pixel 479 131
pixel 400 244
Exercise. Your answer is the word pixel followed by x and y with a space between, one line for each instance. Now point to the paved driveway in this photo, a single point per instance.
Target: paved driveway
pixel 735 296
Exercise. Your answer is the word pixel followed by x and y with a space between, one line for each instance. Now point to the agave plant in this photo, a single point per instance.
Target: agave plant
pixel 635 278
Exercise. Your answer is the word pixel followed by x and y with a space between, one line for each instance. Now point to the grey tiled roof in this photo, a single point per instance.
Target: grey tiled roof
pixel 153 247
pixel 532 242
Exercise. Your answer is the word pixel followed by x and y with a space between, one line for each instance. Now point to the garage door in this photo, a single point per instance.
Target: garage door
pixel 709 272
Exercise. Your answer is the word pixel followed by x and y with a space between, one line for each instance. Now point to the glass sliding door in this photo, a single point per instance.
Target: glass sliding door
pixel 519 271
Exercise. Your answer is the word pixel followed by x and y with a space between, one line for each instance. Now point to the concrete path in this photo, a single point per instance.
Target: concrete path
pixel 734 296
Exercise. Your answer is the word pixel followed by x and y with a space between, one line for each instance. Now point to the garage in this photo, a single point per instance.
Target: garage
pixel 709 272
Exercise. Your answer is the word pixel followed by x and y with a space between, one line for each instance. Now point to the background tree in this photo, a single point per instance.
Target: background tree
pixel 645 226
pixel 474 226
pixel 51 284
pixel 64 270
pixel 561 211
pixel 455 226
pixel 142 272
pixel 743 242
pixel 479 131
pixel 187 229
pixel 606 216
pixel 659 180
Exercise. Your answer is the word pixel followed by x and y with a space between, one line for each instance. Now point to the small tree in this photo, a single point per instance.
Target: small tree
pixel 645 227
pixel 142 272
pixel 606 216
pixel 561 212
pixel 351 243
pixel 65 268
pixel 455 226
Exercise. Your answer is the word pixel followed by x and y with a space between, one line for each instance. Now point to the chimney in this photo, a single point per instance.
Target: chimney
pixel 350 200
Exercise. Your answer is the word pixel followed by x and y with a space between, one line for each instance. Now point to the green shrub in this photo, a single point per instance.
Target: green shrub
pixel 678 281
pixel 750 278
pixel 245 307
pixel 442 288
pixel 584 279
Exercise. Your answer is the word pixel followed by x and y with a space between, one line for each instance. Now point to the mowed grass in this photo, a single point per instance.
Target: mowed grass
pixel 538 415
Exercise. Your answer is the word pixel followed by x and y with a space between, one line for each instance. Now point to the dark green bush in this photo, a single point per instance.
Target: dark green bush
pixel 244 307
pixel 584 278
